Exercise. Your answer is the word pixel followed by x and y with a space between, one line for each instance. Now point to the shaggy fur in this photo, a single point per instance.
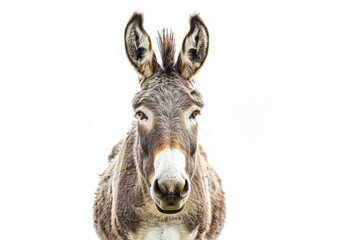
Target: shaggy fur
pixel 123 206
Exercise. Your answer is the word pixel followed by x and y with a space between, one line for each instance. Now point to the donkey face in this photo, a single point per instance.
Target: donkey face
pixel 166 109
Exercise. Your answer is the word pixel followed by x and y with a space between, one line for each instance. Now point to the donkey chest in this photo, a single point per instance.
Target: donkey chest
pixel 164 232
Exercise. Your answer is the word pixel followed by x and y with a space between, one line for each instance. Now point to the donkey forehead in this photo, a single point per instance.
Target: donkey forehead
pixel 172 93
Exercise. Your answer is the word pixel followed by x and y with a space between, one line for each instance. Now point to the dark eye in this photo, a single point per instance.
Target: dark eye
pixel 194 114
pixel 140 115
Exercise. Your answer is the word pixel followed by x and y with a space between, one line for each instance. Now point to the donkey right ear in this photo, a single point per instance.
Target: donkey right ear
pixel 138 48
pixel 194 49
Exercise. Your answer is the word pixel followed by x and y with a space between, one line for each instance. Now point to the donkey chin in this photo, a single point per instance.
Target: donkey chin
pixel 170 188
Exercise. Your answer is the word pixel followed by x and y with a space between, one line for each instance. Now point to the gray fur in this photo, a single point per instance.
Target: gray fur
pixel 123 206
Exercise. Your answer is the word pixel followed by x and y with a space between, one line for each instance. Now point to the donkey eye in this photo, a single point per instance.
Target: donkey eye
pixel 194 114
pixel 140 115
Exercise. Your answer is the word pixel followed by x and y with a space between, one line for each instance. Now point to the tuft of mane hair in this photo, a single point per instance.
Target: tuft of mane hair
pixel 166 44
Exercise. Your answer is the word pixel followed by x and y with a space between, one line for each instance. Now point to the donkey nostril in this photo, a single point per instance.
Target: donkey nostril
pixel 185 190
pixel 157 189
pixel 160 188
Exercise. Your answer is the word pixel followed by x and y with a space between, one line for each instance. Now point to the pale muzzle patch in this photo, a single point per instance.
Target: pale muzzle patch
pixel 170 185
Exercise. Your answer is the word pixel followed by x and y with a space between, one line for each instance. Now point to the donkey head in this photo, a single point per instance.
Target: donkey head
pixel 166 109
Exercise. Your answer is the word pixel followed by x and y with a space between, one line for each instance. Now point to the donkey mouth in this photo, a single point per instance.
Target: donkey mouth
pixel 169 211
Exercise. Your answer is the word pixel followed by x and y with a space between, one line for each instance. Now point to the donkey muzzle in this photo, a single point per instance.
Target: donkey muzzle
pixel 170 187
pixel 170 194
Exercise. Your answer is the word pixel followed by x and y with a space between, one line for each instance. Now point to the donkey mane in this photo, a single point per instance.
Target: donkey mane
pixel 166 43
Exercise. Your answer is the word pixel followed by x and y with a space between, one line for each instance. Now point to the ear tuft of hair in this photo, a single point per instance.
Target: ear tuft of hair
pixel 166 44
pixel 138 18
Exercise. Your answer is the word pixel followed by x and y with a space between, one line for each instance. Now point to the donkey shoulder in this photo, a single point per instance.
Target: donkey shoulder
pixel 217 200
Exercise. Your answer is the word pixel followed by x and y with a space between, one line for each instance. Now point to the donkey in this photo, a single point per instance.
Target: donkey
pixel 158 184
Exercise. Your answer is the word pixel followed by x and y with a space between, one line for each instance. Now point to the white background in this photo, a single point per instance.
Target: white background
pixel 281 123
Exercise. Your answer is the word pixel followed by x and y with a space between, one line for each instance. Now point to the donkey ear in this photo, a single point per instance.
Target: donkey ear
pixel 194 49
pixel 138 48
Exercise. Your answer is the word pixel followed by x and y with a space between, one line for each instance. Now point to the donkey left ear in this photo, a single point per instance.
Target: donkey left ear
pixel 138 48
pixel 194 49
